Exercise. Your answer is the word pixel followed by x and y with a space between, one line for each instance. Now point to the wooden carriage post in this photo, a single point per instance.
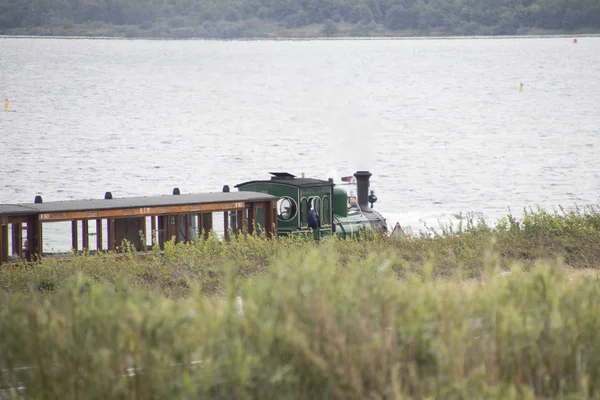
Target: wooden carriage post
pixel 275 224
pixel 3 239
pixel 17 239
pixel 226 217
pixel 251 210
pixel 242 221
pixel 187 218
pixel 111 234
pixel 98 234
pixel 74 236
pixel 110 228
pixel 85 236
pixel 153 230
pixel 270 218
pixel 207 223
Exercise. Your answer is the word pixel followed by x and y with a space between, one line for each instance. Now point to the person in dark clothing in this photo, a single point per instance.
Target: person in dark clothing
pixel 312 219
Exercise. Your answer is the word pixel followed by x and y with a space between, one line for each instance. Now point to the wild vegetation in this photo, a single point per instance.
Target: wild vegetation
pixel 290 18
pixel 467 311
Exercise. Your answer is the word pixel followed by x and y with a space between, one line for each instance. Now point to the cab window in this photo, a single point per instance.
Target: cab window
pixel 304 212
pixel 326 211
pixel 316 203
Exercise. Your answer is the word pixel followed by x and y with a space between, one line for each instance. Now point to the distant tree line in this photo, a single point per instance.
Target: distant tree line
pixel 263 18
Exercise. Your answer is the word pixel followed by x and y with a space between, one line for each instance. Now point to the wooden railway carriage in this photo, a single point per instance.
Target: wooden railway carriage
pixel 179 216
pixel 276 206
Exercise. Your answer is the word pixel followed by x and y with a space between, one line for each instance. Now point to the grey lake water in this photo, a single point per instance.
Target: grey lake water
pixel 441 124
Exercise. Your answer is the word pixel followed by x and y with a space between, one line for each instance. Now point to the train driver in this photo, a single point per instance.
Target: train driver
pixel 313 222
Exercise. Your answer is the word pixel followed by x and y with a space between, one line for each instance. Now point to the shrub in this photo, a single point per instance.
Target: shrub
pixel 376 317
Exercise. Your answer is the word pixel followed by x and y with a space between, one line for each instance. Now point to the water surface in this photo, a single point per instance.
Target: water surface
pixel 440 123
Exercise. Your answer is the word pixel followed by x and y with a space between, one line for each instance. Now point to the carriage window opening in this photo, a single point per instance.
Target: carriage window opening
pixel 316 205
pixel 304 212
pixel 326 211
pixel 312 216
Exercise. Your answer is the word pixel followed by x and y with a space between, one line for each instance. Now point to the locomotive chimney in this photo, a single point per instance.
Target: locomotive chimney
pixel 362 189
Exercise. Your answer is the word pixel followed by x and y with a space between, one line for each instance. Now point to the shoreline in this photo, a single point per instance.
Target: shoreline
pixel 316 38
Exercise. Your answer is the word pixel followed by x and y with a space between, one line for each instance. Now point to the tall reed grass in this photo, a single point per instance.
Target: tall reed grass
pixel 374 318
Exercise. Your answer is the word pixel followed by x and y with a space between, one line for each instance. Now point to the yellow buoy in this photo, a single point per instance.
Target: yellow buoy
pixel 521 87
pixel 6 105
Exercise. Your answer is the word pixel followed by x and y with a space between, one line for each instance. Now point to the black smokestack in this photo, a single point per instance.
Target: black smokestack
pixel 362 189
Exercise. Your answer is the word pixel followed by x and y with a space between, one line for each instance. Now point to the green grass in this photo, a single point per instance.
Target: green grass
pixel 467 311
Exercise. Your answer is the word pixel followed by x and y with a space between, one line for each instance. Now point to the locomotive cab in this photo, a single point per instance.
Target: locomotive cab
pixel 298 197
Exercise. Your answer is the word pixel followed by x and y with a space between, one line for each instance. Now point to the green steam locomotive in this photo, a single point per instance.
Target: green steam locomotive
pixel 320 207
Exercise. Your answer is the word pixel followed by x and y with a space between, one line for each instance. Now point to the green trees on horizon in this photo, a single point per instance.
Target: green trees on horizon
pixel 245 18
